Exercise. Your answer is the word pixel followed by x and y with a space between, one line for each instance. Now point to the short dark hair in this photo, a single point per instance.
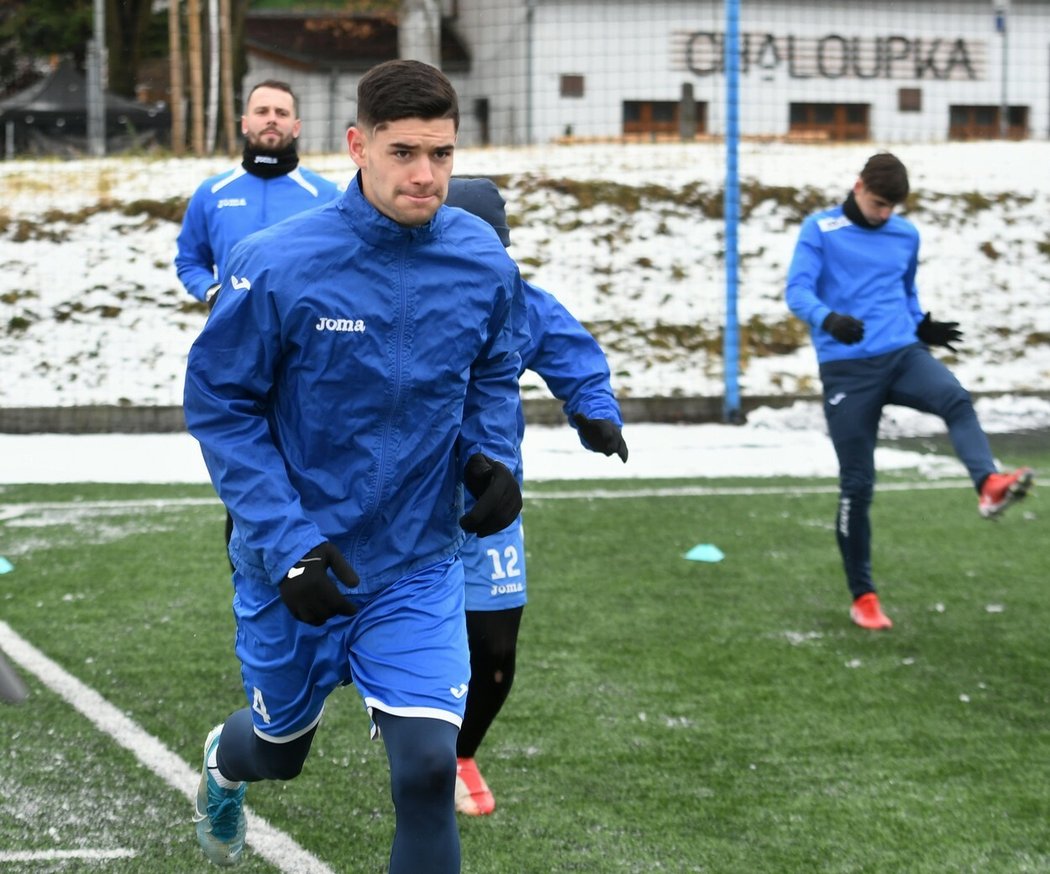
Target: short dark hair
pixel 277 85
pixel 401 89
pixel 886 176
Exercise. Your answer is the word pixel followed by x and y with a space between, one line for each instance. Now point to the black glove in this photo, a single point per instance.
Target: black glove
pixel 938 333
pixel 601 435
pixel 497 494
pixel 845 329
pixel 309 593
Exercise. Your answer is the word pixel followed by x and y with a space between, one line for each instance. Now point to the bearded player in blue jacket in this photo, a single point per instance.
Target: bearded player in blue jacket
pixel 852 280
pixel 267 186
pixel 359 368
pixel 574 367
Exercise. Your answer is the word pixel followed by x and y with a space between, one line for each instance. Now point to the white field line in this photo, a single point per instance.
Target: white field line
pixel 722 491
pixel 60 855
pixel 275 846
pixel 12 511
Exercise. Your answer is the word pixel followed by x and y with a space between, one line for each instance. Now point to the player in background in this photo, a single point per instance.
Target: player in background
pixel 573 365
pixel 852 280
pixel 359 368
pixel 268 186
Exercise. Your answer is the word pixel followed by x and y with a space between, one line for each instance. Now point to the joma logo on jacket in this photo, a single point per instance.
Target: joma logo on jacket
pixel 356 326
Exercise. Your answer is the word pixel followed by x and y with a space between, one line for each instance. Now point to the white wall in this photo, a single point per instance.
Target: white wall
pixel 627 50
pixel 634 50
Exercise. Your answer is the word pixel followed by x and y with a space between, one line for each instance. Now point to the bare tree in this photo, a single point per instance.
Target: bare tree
pixel 193 14
pixel 127 25
pixel 225 28
pixel 213 76
pixel 178 118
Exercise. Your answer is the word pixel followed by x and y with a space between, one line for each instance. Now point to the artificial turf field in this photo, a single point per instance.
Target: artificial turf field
pixel 668 715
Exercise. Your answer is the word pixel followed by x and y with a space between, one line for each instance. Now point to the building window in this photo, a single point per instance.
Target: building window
pixel 830 121
pixel 982 123
pixel 659 118
pixel 909 100
pixel 571 85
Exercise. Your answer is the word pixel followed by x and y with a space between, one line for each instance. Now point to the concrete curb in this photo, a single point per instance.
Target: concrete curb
pixel 115 419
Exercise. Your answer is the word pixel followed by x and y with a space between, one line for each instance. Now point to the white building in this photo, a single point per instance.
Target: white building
pixel 540 70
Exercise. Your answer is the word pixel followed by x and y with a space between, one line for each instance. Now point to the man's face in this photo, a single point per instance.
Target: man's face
pixel 269 123
pixel 875 208
pixel 405 166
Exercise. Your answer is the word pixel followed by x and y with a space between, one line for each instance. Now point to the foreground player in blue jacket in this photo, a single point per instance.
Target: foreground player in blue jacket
pixel 268 186
pixel 574 367
pixel 359 366
pixel 852 280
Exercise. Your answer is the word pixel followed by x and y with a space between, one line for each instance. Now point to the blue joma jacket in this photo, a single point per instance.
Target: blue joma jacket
pixel 349 369
pixel 867 273
pixel 569 360
pixel 559 349
pixel 226 208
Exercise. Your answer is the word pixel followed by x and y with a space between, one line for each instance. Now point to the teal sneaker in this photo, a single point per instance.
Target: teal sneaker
pixel 219 813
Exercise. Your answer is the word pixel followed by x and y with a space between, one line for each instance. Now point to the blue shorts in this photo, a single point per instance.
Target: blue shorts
pixel 405 650
pixel 495 569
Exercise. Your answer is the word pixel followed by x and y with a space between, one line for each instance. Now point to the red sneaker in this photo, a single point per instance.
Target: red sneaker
pixel 473 796
pixel 867 613
pixel 1000 490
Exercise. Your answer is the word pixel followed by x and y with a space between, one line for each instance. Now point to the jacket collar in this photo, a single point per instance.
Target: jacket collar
pixel 378 229
pixel 852 211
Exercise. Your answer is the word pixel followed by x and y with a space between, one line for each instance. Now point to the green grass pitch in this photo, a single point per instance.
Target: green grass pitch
pixel 668 715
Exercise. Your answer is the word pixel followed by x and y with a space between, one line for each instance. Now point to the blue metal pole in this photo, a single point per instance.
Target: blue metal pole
pixel 731 411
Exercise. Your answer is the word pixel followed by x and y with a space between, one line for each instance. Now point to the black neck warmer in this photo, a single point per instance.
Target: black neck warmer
pixel 268 165
pixel 853 213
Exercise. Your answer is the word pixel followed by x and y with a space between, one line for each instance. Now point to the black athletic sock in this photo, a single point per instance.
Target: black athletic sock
pixel 493 636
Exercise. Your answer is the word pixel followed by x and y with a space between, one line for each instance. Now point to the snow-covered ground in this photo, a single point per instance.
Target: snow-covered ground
pixel 91 311
pixel 781 442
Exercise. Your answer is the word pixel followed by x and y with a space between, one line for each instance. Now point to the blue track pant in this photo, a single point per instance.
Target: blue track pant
pixel 855 391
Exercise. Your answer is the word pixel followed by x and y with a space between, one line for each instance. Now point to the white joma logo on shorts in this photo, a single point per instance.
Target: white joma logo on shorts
pixel 355 326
